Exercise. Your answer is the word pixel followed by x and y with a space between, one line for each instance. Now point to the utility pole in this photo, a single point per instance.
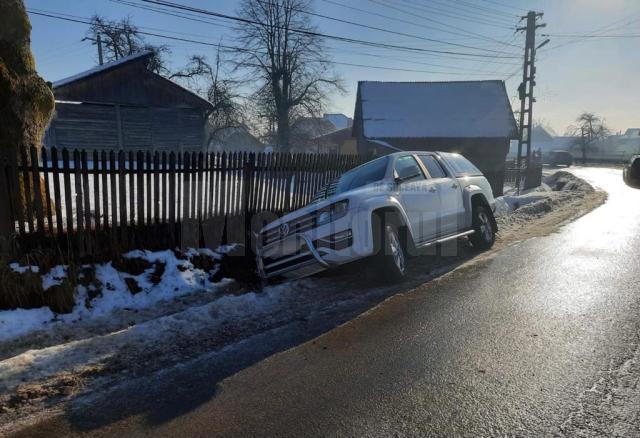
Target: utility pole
pixel 98 42
pixel 525 90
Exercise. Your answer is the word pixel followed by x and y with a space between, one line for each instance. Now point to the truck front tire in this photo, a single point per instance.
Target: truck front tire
pixel 391 257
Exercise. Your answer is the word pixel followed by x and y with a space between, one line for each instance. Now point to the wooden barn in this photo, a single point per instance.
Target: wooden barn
pixel 123 105
pixel 473 118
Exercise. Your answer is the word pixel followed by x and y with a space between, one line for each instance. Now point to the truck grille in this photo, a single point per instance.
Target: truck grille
pixel 298 225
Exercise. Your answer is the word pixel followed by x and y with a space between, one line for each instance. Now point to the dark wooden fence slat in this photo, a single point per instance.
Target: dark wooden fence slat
pixel 156 188
pixel 113 172
pixel 172 192
pixel 105 189
pixel 179 176
pixel 47 190
pixel 96 190
pixel 234 183
pixel 149 191
pixel 37 189
pixel 163 201
pixel 223 184
pixel 68 200
pixel 86 191
pixel 57 199
pixel 26 186
pixel 200 195
pixel 210 183
pixel 77 171
pixel 186 185
pixel 140 187
pixel 132 187
pixel 122 189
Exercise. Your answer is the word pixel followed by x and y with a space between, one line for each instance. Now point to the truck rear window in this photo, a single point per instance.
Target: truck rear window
pixel 460 165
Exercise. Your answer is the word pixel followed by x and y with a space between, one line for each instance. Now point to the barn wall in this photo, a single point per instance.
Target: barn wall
pixel 92 126
pixel 487 154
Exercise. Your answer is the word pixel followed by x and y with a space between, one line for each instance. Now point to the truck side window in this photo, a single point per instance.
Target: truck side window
pixel 433 167
pixel 407 169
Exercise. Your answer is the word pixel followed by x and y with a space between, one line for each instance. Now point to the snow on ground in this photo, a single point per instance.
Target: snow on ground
pixel 559 188
pixel 112 291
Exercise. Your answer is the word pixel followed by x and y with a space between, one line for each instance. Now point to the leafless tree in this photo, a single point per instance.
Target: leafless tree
pixel 228 111
pixel 122 38
pixel 285 53
pixel 588 130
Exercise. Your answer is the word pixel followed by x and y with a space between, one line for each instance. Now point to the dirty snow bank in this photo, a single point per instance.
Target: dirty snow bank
pixel 556 190
pixel 152 277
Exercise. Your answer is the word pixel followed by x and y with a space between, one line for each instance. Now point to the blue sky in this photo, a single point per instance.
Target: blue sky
pixel 574 75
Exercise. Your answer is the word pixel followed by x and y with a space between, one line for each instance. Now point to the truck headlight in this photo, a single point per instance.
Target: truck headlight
pixel 332 212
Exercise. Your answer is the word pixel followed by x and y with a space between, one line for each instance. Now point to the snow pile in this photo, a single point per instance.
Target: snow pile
pixel 139 280
pixel 564 181
pixel 559 188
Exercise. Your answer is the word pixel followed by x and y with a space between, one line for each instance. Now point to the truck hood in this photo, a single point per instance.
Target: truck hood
pixel 359 193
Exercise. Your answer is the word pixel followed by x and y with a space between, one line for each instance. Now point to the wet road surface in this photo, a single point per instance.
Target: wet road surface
pixel 541 337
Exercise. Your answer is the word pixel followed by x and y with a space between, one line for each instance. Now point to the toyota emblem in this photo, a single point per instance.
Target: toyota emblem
pixel 284 230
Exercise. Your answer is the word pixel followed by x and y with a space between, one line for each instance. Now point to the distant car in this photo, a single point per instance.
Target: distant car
pixel 631 172
pixel 558 158
pixel 384 209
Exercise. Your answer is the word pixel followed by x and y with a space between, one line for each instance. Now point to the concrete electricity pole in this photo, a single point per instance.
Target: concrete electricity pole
pixel 98 42
pixel 525 90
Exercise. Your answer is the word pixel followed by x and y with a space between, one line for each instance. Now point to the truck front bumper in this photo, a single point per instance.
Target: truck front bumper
pixel 299 255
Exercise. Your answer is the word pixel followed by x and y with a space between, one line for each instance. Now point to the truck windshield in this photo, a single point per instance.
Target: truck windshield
pixel 367 173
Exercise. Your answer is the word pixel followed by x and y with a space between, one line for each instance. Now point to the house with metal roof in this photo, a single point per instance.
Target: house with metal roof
pixel 124 105
pixel 473 118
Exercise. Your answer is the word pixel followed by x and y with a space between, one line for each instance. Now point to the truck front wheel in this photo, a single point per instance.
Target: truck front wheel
pixel 392 257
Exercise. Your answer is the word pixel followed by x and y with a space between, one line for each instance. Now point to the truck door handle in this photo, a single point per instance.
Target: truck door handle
pixel 432 189
pixel 454 186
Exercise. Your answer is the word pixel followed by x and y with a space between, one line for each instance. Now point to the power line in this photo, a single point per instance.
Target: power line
pixel 75 20
pixel 457 9
pixel 608 28
pixel 317 34
pixel 504 5
pixel 592 36
pixel 459 16
pixel 413 14
pixel 482 8
pixel 387 17
pixel 365 26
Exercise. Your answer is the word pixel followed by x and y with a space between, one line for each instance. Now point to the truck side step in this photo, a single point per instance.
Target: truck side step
pixel 444 239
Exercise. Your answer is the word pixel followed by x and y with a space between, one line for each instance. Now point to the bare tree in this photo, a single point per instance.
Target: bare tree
pixel 588 130
pixel 283 50
pixel 122 38
pixel 228 112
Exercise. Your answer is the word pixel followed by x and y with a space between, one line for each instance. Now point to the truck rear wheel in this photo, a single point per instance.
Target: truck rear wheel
pixel 484 234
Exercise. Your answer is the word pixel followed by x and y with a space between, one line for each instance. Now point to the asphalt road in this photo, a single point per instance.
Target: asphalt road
pixel 540 338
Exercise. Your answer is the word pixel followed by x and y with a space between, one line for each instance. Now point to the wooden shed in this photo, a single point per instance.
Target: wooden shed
pixel 473 118
pixel 124 105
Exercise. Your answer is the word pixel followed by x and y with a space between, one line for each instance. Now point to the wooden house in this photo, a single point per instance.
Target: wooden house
pixel 473 118
pixel 124 105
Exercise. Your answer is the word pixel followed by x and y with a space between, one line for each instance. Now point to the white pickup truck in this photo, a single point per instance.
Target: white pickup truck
pixel 387 209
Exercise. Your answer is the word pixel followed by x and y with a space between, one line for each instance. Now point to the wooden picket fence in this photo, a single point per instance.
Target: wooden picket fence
pixel 82 203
